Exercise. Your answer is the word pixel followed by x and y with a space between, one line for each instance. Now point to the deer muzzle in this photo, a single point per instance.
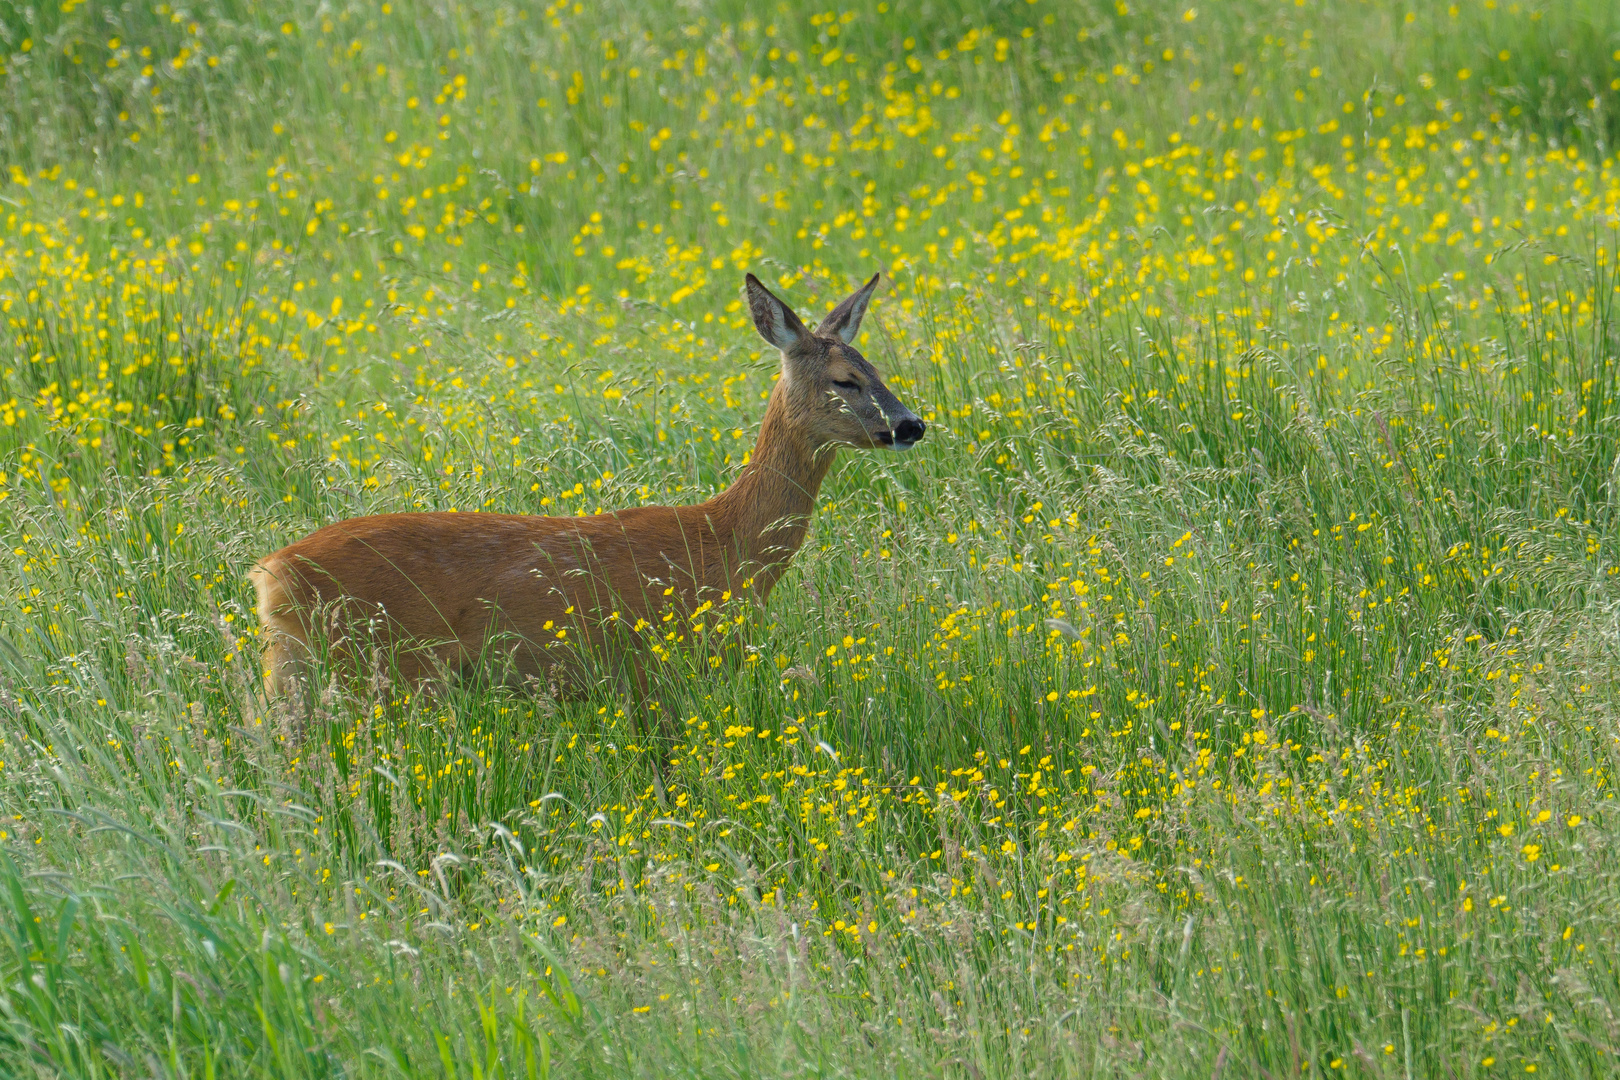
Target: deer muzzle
pixel 906 434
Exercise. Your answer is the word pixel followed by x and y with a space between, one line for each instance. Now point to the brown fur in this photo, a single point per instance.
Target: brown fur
pixel 449 590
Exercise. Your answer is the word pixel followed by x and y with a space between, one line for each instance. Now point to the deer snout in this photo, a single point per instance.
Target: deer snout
pixel 908 432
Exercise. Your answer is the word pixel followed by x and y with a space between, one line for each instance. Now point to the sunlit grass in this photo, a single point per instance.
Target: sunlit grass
pixel 1224 687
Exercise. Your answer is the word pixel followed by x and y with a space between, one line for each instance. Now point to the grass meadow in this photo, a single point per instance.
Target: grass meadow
pixel 1228 686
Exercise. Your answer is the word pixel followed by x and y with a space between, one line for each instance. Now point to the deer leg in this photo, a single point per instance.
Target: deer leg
pixel 652 711
pixel 286 659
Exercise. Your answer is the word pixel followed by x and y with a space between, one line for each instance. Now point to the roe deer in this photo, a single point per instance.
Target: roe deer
pixel 449 590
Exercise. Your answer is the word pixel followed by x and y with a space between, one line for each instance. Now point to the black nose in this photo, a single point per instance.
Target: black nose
pixel 909 431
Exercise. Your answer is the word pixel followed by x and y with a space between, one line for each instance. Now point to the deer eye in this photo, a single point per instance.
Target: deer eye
pixel 845 384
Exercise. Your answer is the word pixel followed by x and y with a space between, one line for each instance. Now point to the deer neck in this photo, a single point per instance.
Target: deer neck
pixel 767 509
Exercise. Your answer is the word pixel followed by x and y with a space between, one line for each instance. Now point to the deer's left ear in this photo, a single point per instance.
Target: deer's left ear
pixel 845 319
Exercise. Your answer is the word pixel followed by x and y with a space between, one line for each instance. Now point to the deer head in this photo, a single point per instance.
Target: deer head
pixel 831 392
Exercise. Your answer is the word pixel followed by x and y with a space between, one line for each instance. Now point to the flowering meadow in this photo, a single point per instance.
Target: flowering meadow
pixel 1227 686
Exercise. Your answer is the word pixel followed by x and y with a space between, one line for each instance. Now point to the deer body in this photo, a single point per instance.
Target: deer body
pixel 450 591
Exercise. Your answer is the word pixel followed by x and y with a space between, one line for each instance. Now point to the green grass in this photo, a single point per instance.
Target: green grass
pixel 1226 686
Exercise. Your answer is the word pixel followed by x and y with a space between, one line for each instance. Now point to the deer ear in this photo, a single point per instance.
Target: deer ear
pixel 773 319
pixel 845 319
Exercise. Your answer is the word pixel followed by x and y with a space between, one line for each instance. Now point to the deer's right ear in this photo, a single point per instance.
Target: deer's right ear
pixel 775 321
